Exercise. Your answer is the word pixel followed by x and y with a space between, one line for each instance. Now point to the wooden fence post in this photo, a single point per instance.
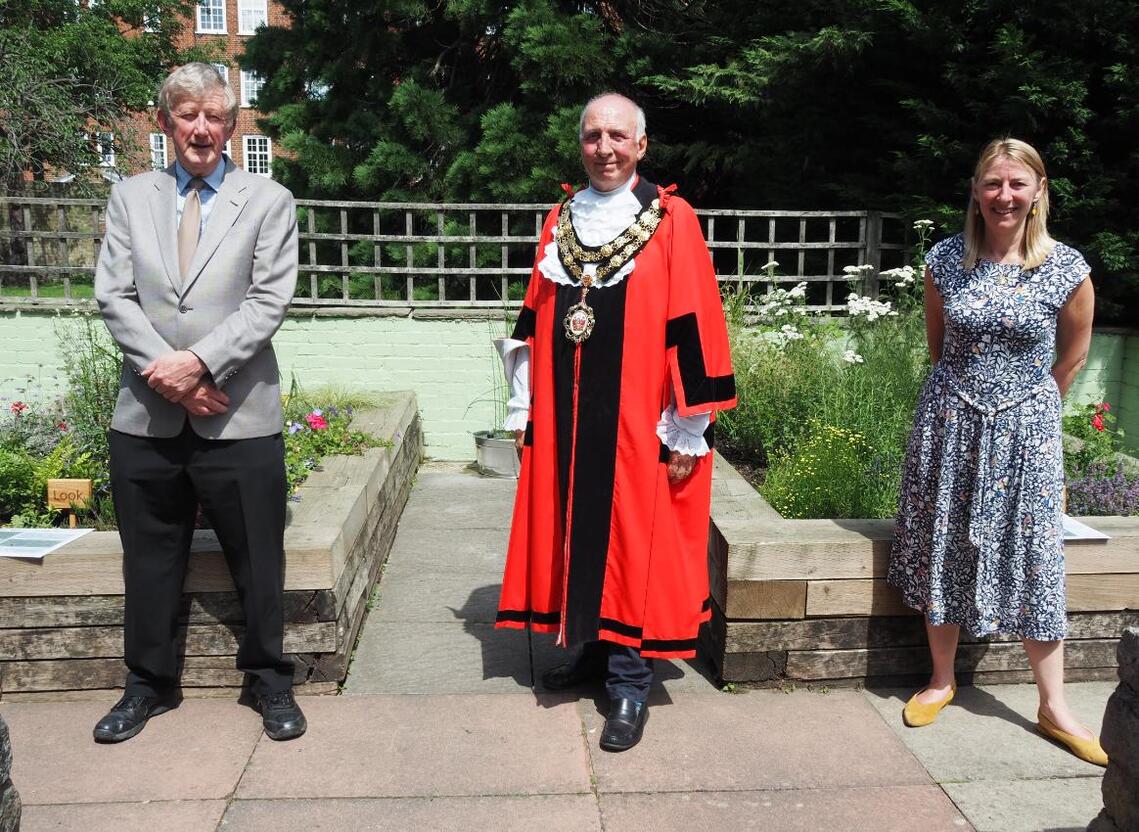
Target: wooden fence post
pixel 873 253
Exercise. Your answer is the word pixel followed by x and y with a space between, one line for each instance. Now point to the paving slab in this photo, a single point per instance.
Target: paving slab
pixel 442 500
pixel 425 551
pixel 460 484
pixel 394 657
pixel 441 598
pixel 550 813
pixel 754 741
pixel 876 808
pixel 424 746
pixel 1028 805
pixel 988 733
pixel 169 816
pixel 196 752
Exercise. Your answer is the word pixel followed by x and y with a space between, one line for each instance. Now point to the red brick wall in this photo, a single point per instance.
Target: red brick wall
pixel 134 143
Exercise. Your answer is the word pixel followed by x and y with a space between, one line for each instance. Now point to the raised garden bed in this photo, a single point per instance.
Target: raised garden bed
pixel 806 601
pixel 62 619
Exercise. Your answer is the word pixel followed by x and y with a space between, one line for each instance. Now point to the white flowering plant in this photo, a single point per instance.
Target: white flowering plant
pixel 801 375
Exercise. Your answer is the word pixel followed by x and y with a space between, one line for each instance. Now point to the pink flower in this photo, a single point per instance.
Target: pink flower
pixel 316 421
pixel 1097 422
pixel 62 427
pixel 1105 407
pixel 18 407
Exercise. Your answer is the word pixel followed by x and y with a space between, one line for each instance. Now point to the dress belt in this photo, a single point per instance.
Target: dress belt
pixel 985 492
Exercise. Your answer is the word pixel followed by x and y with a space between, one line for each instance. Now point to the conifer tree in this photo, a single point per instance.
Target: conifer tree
pixel 751 103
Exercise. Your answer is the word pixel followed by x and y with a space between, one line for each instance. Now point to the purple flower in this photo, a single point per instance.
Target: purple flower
pixel 316 411
pixel 1103 490
pixel 295 427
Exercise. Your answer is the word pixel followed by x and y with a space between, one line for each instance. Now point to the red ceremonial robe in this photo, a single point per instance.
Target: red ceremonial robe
pixel 602 545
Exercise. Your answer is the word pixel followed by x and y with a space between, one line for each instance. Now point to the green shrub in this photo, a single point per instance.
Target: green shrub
pixel 92 368
pixel 17 475
pixel 833 472
pixel 1093 425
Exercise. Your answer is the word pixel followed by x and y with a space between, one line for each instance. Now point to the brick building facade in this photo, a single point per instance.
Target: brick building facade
pixel 224 25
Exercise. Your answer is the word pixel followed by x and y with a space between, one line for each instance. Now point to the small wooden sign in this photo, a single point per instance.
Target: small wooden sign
pixel 68 493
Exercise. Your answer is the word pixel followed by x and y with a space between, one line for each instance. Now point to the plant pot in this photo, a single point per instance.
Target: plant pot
pixel 495 456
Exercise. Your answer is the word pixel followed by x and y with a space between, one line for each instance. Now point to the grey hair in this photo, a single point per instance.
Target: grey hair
pixel 640 114
pixel 195 80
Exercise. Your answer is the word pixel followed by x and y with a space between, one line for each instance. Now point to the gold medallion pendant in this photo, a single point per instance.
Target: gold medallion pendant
pixel 579 322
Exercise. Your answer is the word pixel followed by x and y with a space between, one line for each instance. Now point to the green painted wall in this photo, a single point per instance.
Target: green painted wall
pixel 1112 375
pixel 448 360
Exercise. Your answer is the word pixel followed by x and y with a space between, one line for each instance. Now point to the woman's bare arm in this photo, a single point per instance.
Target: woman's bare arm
pixel 1074 335
pixel 934 318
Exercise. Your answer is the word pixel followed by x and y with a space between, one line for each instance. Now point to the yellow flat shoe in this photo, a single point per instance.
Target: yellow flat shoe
pixel 1087 750
pixel 916 714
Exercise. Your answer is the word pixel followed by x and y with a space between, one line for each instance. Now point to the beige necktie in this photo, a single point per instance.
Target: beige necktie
pixel 190 226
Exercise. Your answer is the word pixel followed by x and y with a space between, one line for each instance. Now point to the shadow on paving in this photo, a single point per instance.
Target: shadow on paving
pixel 500 651
pixel 977 701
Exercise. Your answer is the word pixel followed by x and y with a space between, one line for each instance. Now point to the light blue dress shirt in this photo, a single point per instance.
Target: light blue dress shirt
pixel 206 195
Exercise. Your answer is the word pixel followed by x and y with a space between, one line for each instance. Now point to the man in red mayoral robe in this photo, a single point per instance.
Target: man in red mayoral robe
pixel 618 364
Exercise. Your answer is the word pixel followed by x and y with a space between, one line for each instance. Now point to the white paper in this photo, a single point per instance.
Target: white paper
pixel 35 543
pixel 1075 530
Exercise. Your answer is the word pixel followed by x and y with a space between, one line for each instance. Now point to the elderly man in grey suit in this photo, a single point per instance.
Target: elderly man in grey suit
pixel 197 269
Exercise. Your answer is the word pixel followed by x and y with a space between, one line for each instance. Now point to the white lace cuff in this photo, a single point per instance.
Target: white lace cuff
pixel 684 433
pixel 516 418
pixel 516 366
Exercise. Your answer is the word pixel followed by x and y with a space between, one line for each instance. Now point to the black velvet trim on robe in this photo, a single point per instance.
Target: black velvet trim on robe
pixel 595 463
pixel 525 325
pixel 528 616
pixel 599 394
pixel 683 332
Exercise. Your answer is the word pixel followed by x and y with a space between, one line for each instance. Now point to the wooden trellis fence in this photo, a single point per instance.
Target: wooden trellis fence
pixel 455 255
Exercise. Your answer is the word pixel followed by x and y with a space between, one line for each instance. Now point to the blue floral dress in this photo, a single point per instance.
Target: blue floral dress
pixel 979 537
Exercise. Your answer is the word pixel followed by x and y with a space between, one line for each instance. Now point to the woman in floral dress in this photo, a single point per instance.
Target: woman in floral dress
pixel 979 540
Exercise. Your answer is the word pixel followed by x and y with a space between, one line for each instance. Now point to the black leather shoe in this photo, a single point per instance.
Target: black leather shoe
pixel 572 674
pixel 128 716
pixel 281 715
pixel 625 725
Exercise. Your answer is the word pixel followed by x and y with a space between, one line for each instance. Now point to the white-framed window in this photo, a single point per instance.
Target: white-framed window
pixel 211 17
pixel 223 71
pixel 258 154
pixel 158 151
pixel 251 14
pixel 105 147
pixel 251 84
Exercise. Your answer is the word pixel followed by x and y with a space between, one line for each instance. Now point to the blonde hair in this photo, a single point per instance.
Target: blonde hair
pixel 1036 244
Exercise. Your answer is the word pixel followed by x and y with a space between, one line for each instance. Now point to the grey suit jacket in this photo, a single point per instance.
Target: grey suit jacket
pixel 233 299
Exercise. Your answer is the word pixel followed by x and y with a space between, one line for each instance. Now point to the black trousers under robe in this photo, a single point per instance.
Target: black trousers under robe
pixel 628 675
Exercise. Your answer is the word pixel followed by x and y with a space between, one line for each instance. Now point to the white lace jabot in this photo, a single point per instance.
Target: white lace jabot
pixel 598 218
